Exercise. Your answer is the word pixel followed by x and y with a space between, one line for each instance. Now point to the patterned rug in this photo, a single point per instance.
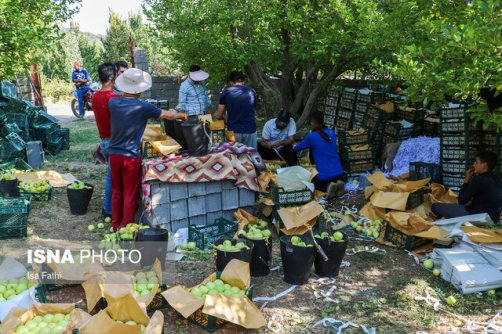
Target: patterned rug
pixel 224 162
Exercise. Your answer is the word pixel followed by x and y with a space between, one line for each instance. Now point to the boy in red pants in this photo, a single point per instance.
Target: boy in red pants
pixel 129 117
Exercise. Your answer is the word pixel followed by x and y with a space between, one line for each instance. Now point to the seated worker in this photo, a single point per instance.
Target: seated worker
pixel 129 116
pixel 322 144
pixel 277 139
pixel 480 193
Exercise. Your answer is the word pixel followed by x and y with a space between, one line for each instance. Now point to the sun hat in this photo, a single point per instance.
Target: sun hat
pixel 134 81
pixel 196 74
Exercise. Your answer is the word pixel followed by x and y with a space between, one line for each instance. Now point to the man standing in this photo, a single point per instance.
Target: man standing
pixel 129 117
pixel 480 193
pixel 277 139
pixel 100 99
pixel 80 77
pixel 121 66
pixel 193 98
pixel 239 102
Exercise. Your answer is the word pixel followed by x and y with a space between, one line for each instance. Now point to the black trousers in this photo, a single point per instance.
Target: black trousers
pixel 286 152
pixel 449 210
pixel 323 185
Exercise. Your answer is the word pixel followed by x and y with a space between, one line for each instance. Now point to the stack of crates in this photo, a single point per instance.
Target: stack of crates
pixel 460 141
pixel 356 161
pixel 375 121
pixel 330 106
pixel 395 131
pixel 363 104
pixel 412 115
pixel 345 114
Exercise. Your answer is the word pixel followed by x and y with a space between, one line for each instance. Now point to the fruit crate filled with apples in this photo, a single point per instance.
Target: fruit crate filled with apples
pixel 40 191
pixel 205 236
pixel 256 231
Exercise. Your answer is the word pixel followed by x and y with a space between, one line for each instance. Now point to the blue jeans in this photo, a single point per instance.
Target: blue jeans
pixel 248 139
pixel 107 201
pixel 80 95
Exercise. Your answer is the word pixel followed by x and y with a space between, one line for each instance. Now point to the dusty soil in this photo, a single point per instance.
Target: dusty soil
pixel 376 289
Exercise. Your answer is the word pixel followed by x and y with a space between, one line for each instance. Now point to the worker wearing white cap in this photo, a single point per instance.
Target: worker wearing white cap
pixel 193 98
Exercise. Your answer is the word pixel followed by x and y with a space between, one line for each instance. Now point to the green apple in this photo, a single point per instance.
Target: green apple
pixel 295 239
pixel 436 272
pixel 491 292
pixel 428 264
pixel 101 225
pixel 131 323
pixel 451 300
pixel 90 228
pixel 191 245
pixel 338 236
pixel 108 220
pixel 184 246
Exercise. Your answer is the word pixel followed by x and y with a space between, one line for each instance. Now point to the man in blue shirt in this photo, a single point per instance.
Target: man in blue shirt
pixel 239 102
pixel 80 77
pixel 193 98
pixel 129 116
pixel 322 144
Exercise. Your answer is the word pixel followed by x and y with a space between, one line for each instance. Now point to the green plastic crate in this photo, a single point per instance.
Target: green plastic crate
pixel 282 197
pixel 55 146
pixel 422 170
pixel 38 197
pixel 10 205
pixel 218 136
pixel 15 141
pixel 346 140
pixel 18 164
pixel 205 236
pixel 349 155
pixel 13 226
pixel 415 199
pixel 358 166
pixel 403 240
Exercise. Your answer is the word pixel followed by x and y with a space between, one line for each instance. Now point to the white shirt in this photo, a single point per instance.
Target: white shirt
pixel 272 134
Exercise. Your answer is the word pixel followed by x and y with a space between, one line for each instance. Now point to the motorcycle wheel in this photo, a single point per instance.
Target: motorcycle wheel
pixel 74 108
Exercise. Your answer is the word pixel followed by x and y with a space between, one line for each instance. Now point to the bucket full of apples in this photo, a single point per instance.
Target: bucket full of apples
pixel 79 196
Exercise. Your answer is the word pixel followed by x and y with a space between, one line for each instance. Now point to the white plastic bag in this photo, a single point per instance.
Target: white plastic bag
pixel 294 178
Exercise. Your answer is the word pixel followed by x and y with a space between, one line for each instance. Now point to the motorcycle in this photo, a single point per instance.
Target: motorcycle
pixel 93 86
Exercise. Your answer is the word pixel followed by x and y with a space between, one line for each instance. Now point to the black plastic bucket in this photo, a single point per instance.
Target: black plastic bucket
pixel 79 199
pixel 262 257
pixel 175 131
pixel 335 251
pixel 9 188
pixel 222 258
pixel 297 261
pixel 152 244
pixel 199 134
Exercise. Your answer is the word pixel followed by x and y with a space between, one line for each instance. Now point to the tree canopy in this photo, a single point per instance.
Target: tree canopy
pixel 29 26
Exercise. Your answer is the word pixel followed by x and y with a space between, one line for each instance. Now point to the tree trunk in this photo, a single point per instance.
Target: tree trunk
pixel 287 71
pixel 303 90
pixel 333 74
pixel 270 92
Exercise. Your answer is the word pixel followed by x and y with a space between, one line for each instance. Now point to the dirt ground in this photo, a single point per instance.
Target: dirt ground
pixel 376 290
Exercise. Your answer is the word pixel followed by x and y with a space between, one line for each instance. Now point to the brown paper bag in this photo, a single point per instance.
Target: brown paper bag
pixel 217 125
pixel 78 271
pixel 441 195
pixel 482 235
pixel 359 147
pixel 54 178
pixel 264 180
pixel 435 233
pixel 380 181
pixel 372 213
pixel 300 215
pixel 410 186
pixel 152 132
pixel 244 218
pixel 387 106
pixel 238 310
pixel 390 200
pixel 300 230
pixel 18 316
pixel 104 321
pixel 408 223
pixel 166 146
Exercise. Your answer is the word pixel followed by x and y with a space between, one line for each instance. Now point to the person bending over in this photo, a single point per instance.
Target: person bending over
pixel 480 193
pixel 322 144
pixel 129 117
pixel 277 139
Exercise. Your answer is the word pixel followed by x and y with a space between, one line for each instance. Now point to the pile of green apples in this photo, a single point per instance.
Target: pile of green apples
pixel 227 246
pixel 47 324
pixel 297 241
pixel 217 287
pixel 370 228
pixel 133 323
pixel 257 231
pixel 190 246
pixel 110 241
pixel 7 177
pixel 127 232
pixel 336 237
pixel 35 187
pixel 144 283
pixel 13 287
pixel 78 186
